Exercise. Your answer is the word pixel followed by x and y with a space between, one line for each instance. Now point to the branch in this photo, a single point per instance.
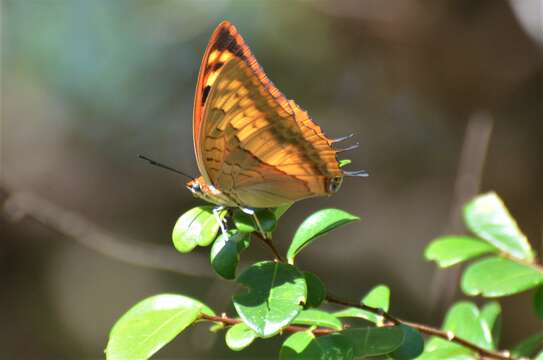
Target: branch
pixel 19 205
pixel 270 245
pixel 425 329
pixel 290 329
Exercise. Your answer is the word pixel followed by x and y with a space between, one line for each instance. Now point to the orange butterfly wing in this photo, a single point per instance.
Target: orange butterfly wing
pixel 251 143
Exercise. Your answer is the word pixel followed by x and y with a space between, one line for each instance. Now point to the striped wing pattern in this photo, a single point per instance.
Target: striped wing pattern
pixel 252 144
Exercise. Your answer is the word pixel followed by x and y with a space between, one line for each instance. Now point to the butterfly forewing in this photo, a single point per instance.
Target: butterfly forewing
pixel 253 145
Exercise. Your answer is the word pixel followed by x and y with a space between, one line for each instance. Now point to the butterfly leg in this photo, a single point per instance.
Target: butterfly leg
pixel 257 222
pixel 217 213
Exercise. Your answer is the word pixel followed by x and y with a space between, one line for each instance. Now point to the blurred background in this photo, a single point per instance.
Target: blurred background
pixel 445 98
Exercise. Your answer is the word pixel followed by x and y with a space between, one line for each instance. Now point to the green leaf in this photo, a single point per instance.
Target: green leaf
pixel 151 324
pixel 539 356
pixel 198 226
pixel 487 216
pixel 375 341
pixel 449 353
pixel 226 250
pixel 315 225
pixel 412 346
pixel 538 302
pixel 246 223
pixel 321 318
pixel 239 336
pixel 491 315
pixel 464 320
pixel 360 314
pixel 316 291
pixel 306 346
pixel 278 212
pixel 344 162
pixel 451 250
pixel 528 346
pixel 378 297
pixel 275 295
pixel 495 276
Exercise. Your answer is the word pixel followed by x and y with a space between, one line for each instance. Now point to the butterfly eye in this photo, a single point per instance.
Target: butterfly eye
pixel 334 184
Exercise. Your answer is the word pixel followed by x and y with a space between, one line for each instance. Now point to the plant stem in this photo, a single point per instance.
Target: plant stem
pixel 272 247
pixel 290 329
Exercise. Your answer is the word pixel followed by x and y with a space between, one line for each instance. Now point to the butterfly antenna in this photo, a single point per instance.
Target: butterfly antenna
pixel 359 173
pixel 352 147
pixel 156 163
pixel 343 138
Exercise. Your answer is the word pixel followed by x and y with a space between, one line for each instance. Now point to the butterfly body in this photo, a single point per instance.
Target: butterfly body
pixel 254 148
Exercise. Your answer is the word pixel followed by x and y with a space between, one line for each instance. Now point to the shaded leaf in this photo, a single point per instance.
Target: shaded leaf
pixel 491 315
pixel 375 341
pixel 495 276
pixel 226 250
pixel 198 226
pixel 246 223
pixel 305 346
pixel 151 324
pixel 316 292
pixel 528 346
pixel 538 302
pixel 314 317
pixel 451 250
pixel 275 295
pixel 317 224
pixel 239 336
pixel 488 218
pixel 412 346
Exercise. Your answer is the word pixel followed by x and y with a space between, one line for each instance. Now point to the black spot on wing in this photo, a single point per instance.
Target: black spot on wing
pixel 226 42
pixel 205 93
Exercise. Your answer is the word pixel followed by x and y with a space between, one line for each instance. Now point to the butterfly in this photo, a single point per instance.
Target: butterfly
pixel 254 148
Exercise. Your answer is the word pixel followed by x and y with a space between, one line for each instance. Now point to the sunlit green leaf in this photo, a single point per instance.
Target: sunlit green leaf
pixel 378 297
pixel 198 226
pixel 464 320
pixel 450 250
pixel 528 346
pixel 274 297
pixel 412 346
pixel 375 341
pixel 358 313
pixel 491 315
pixel 316 292
pixel 306 346
pixel 246 223
pixel 487 217
pixel 239 336
pixel 539 356
pixel 495 276
pixel 318 318
pixel 538 302
pixel 315 225
pixel 226 250
pixel 344 162
pixel 151 324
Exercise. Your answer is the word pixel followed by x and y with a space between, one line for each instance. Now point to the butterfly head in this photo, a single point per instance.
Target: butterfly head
pixel 202 190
